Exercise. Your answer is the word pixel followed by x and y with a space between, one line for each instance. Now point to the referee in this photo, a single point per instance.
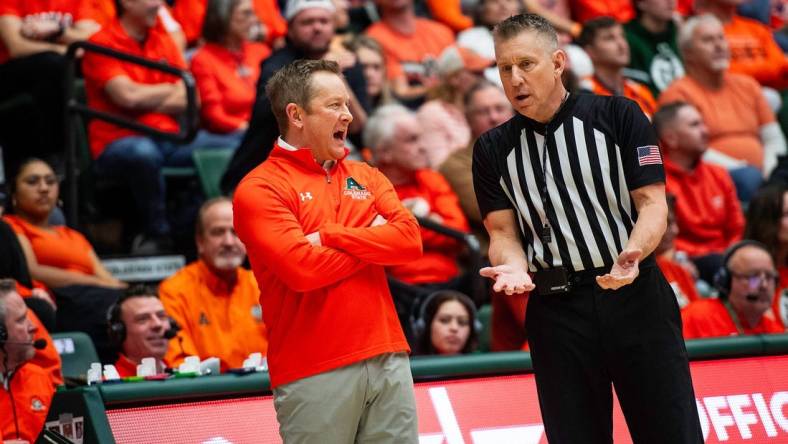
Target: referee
pixel 572 189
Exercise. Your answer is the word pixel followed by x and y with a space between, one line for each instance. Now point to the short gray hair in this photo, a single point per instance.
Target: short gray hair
pixel 381 126
pixel 687 31
pixel 517 24
pixel 7 286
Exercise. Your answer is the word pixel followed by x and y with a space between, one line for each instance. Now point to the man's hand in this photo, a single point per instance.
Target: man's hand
pixel 314 238
pixel 508 279
pixel 623 272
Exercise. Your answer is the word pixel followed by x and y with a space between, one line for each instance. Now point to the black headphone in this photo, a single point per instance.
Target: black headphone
pixel 116 329
pixel 722 279
pixel 419 323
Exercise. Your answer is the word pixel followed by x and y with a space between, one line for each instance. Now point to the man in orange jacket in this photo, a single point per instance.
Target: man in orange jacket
pixel 319 231
pixel 25 388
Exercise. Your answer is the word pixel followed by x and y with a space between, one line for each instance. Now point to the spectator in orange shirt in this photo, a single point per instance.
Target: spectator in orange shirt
pixel 746 284
pixel 149 97
pixel 104 12
pixel 767 222
pixel 411 45
pixel 57 256
pixel 227 66
pixel 138 326
pixel 680 275
pixel 447 324
pixel 754 51
pixel 270 27
pixel 708 213
pixel 215 300
pixel 604 41
pixel 26 389
pixel 742 129
pixel 34 35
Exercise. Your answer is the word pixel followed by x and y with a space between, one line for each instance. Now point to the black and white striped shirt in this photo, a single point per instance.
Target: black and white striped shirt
pixel 599 148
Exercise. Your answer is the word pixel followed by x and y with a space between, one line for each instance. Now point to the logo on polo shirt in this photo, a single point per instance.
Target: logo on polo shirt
pixel 355 190
pixel 37 405
pixel 204 319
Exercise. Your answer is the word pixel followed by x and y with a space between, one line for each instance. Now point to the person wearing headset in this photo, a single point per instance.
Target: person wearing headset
pixel 746 284
pixel 447 324
pixel 26 389
pixel 139 327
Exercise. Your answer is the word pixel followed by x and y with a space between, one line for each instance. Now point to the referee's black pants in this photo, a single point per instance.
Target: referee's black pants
pixel 584 341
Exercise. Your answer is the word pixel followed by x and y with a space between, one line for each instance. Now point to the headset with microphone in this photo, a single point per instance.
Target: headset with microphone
pixel 723 277
pixel 116 328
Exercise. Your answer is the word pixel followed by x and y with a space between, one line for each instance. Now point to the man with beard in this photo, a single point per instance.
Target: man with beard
pixel 309 34
pixel 214 300
pixel 139 326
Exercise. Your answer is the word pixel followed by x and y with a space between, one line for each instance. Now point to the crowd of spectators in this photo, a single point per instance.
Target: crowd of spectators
pixel 711 74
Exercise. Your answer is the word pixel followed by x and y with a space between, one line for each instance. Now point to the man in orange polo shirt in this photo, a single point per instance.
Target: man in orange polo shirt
pixel 319 230
pixel 746 285
pixel 215 300
pixel 604 40
pixel 139 327
pixel 149 97
pixel 26 389
pixel 708 213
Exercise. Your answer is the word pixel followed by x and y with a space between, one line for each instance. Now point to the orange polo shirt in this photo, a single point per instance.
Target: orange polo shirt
pixel 439 262
pixel 706 318
pixel 734 114
pixel 32 390
pixel 98 70
pixel 325 306
pixel 191 14
pixel 216 319
pixel 708 213
pixel 427 42
pixel 227 83
pixel 632 90
pixel 64 11
pixel 59 246
pixel 754 52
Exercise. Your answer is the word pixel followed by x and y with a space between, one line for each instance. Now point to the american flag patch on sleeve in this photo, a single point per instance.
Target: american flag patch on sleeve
pixel 649 155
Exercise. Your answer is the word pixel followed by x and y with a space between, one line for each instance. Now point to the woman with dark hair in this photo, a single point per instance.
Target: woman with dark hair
pixel 57 256
pixel 227 67
pixel 767 222
pixel 447 324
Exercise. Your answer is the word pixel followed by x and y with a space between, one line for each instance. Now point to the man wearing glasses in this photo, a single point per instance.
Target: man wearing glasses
pixel 746 283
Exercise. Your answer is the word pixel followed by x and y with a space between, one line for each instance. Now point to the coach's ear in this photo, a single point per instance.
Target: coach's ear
pixel 559 62
pixel 295 115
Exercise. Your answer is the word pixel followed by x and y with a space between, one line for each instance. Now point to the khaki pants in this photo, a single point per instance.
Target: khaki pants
pixel 370 401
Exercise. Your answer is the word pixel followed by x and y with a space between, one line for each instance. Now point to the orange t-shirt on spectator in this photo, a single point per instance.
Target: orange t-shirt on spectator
pixel 191 14
pixel 65 11
pixel 99 70
pixel 449 12
pixel 216 320
pixel 585 10
pixel 754 52
pixel 59 247
pixel 406 53
pixel 227 84
pixel 734 114
pixel 680 281
pixel 32 390
pixel 632 90
pixel 706 318
pixel 439 262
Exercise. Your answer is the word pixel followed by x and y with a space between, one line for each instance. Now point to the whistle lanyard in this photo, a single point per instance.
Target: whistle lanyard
pixel 734 317
pixel 546 234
